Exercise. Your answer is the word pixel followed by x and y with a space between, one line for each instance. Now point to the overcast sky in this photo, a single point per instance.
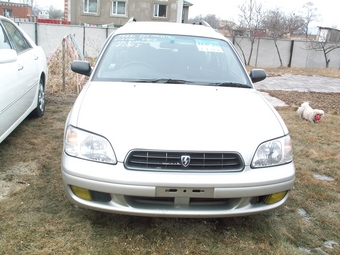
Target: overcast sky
pixel 229 9
pixel 224 9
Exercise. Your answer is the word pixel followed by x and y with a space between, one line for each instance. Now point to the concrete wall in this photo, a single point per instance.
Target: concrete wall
pixel 90 41
pixel 49 36
pixel 265 53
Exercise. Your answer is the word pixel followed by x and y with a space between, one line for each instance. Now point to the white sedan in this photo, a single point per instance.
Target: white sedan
pixel 170 124
pixel 23 77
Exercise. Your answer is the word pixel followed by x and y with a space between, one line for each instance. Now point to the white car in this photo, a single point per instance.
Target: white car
pixel 23 76
pixel 170 125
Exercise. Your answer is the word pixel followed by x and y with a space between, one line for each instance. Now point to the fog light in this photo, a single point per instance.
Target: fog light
pixel 274 198
pixel 82 193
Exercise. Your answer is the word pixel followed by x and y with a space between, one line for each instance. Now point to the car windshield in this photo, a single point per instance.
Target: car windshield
pixel 171 59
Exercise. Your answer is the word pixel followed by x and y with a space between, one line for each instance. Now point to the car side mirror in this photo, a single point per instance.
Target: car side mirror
pixel 81 67
pixel 257 75
pixel 8 56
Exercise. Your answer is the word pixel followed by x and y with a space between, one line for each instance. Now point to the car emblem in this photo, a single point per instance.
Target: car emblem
pixel 185 160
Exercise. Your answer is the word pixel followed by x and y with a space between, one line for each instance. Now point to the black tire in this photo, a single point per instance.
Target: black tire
pixel 40 110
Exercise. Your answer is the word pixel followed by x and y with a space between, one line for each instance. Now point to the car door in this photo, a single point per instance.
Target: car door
pixel 19 78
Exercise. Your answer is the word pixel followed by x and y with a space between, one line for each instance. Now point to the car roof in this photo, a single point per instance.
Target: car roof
pixel 171 28
pixel 27 37
pixel 5 18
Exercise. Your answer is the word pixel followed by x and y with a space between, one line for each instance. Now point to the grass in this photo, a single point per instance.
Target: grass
pixel 36 217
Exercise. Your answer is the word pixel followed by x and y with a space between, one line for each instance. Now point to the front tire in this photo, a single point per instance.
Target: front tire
pixel 40 110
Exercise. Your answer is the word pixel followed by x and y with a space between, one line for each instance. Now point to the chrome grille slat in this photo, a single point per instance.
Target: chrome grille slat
pixel 150 160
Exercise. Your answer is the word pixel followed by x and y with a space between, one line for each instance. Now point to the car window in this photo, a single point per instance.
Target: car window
pixel 19 41
pixel 150 57
pixel 4 44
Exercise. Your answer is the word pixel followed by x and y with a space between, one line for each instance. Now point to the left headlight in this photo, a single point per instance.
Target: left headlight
pixel 85 145
pixel 273 153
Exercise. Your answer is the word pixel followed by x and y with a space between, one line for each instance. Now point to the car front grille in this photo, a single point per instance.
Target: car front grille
pixel 184 161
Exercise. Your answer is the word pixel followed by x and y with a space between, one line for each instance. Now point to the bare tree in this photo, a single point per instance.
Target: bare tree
pixel 36 9
pixel 250 18
pixel 213 20
pixel 293 23
pixel 55 13
pixel 209 18
pixel 228 25
pixel 196 19
pixel 326 42
pixel 309 15
pixel 279 25
pixel 274 22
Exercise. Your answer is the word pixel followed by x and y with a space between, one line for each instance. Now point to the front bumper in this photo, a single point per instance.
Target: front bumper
pixel 169 194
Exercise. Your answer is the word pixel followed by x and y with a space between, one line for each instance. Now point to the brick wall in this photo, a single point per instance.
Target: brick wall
pixel 17 10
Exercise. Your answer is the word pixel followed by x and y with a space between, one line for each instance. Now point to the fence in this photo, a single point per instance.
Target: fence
pixel 90 39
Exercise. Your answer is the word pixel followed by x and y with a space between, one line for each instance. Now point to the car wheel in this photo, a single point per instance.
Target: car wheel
pixel 40 110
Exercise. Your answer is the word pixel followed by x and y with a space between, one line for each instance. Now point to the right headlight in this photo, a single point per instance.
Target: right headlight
pixel 272 153
pixel 85 145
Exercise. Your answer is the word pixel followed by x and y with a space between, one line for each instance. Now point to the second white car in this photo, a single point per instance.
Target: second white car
pixel 23 76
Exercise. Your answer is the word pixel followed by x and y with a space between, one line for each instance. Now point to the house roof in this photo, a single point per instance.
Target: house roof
pixel 13 4
pixel 187 3
pixel 329 28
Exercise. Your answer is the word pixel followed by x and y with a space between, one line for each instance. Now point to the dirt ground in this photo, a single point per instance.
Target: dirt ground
pixel 36 217
pixel 329 102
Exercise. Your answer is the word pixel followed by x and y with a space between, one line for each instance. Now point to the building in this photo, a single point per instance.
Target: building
pixel 117 13
pixel 21 9
pixel 185 12
pixel 327 34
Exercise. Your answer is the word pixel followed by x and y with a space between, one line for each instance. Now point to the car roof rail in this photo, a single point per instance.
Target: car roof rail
pixel 202 22
pixel 132 19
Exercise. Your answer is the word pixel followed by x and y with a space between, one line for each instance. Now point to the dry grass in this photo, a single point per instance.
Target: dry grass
pixel 36 217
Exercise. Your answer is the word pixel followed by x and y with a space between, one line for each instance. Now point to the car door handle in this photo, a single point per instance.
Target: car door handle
pixel 20 67
pixel 36 57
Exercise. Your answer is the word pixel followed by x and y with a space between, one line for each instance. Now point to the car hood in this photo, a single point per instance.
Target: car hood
pixel 177 117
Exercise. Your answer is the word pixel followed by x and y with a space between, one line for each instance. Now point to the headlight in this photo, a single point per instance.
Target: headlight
pixel 85 145
pixel 273 153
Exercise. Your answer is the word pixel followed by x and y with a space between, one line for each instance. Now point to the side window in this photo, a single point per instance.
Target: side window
pixel 118 8
pixel 4 44
pixel 90 6
pixel 160 10
pixel 19 41
pixel 7 12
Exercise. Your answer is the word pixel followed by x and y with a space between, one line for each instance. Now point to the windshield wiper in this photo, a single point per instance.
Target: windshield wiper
pixel 175 81
pixel 163 80
pixel 230 84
